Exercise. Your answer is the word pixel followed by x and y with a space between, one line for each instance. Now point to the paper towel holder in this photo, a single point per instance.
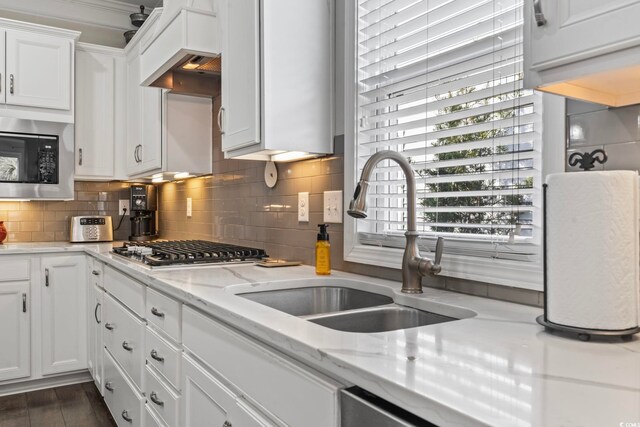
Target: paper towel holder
pixel 583 334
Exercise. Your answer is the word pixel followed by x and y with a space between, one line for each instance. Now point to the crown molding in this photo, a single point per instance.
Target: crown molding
pixel 42 29
pixel 112 14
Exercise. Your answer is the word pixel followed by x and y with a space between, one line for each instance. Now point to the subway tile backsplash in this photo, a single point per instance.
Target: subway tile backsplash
pixel 48 221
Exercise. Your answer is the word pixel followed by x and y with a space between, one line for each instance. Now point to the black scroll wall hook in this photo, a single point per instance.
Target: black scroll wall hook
pixel 587 161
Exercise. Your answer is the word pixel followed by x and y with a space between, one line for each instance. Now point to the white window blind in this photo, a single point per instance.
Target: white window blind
pixel 441 82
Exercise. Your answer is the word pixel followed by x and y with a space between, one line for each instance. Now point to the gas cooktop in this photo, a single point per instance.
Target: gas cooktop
pixel 173 253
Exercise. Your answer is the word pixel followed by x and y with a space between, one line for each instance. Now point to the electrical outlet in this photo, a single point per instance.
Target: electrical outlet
pixel 333 206
pixel 123 204
pixel 189 207
pixel 303 207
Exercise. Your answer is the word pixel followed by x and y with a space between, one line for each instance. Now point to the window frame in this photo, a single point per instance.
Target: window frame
pixel 526 275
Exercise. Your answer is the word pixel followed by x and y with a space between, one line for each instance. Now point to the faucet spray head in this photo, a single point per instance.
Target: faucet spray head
pixel 358 205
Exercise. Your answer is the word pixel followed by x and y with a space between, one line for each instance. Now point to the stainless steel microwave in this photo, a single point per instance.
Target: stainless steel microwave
pixel 36 160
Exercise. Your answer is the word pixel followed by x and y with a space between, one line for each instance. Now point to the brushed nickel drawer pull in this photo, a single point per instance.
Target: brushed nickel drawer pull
pixel 127 346
pixel 154 356
pixel 95 313
pixel 109 326
pixel 126 417
pixel 108 386
pixel 154 398
pixel 156 312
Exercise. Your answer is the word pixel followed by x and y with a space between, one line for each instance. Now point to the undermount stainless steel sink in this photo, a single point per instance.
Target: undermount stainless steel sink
pixel 380 319
pixel 316 300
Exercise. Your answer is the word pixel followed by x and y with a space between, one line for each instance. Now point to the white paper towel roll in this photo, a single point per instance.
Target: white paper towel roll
pixel 592 249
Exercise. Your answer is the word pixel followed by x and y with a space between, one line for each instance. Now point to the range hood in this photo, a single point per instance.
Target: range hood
pixel 182 52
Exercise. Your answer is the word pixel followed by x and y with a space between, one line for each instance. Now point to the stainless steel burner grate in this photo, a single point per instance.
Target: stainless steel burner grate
pixel 178 252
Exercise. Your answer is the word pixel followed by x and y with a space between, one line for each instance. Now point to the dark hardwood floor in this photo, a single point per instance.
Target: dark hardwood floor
pixel 78 405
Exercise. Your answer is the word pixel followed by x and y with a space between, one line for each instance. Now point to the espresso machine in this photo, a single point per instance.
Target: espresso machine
pixel 144 215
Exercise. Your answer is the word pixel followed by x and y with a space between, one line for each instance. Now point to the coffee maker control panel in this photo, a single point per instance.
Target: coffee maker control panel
pixel 143 198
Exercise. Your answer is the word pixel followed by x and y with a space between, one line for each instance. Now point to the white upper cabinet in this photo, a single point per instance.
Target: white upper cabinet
pixel 37 72
pixel 144 122
pixel 100 101
pixel 277 79
pixel 584 49
pixel 239 117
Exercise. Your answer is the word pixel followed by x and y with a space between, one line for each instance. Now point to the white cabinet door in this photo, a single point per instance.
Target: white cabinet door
pixel 96 340
pixel 3 80
pixel 241 106
pixel 144 123
pixel 206 401
pixel 38 70
pixel 151 152
pixel 64 314
pixel 15 333
pixel 580 29
pixel 95 114
pixel 134 115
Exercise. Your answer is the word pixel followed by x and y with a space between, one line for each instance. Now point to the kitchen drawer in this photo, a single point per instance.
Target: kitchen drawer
pixel 280 385
pixel 163 356
pixel 12 269
pixel 128 291
pixel 120 395
pixel 124 337
pixel 151 419
pixel 96 272
pixel 164 313
pixel 164 401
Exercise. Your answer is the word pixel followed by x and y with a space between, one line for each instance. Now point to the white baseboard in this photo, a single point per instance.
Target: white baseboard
pixel 43 383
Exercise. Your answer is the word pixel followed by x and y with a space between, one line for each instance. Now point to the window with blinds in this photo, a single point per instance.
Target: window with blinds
pixel 441 82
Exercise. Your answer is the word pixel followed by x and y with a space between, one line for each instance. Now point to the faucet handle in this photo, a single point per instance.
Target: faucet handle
pixel 439 250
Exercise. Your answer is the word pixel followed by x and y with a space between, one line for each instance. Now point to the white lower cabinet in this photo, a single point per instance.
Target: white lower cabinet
pixel 122 398
pixel 280 386
pixel 96 340
pixel 64 315
pixel 151 419
pixel 15 333
pixel 164 356
pixel 206 401
pixel 164 401
pixel 124 338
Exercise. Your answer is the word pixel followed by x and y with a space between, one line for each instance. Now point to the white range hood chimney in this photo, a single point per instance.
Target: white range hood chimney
pixel 183 44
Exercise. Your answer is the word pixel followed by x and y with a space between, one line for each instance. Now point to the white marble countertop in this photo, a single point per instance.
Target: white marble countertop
pixel 498 368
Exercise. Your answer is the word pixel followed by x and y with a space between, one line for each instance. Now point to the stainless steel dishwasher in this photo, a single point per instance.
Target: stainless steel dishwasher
pixel 360 408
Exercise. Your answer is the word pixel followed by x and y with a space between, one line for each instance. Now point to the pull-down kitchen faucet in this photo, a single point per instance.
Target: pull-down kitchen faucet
pixel 414 267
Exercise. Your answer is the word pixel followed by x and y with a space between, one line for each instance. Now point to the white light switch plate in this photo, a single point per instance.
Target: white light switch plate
pixel 303 207
pixel 189 207
pixel 123 204
pixel 333 207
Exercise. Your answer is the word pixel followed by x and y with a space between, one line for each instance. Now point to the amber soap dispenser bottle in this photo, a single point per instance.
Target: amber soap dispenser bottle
pixel 323 251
